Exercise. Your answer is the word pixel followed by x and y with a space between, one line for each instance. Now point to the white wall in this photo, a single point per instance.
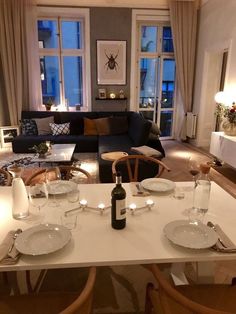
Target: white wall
pixel 217 31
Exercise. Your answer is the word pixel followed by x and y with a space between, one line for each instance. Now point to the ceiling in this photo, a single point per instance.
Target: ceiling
pixel 108 3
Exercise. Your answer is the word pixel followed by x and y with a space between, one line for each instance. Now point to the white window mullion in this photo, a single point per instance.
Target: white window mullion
pixel 61 70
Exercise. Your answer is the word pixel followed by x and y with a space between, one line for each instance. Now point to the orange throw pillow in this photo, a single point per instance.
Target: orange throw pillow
pixel 90 127
pixel 103 126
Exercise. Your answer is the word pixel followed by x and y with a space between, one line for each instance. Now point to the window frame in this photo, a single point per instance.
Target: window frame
pixel 159 18
pixel 70 14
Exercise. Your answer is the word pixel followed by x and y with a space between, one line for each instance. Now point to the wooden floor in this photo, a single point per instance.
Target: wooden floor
pixel 177 154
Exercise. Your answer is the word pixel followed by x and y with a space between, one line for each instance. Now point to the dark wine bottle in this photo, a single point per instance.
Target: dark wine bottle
pixel 118 206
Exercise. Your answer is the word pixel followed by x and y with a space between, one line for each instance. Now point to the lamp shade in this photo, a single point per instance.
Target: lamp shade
pixel 220 97
pixel 225 98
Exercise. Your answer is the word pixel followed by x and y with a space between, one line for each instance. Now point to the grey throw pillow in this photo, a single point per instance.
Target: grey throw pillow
pixel 43 125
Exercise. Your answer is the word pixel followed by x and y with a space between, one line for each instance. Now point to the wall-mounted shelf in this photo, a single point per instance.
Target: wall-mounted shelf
pixel 125 98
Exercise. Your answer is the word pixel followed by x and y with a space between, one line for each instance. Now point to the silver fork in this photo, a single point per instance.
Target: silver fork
pixel 18 231
pixel 220 242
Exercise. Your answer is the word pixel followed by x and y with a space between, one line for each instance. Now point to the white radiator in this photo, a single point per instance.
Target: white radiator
pixel 191 124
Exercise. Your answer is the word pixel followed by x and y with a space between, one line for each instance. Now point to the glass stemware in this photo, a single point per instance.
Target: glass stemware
pixel 38 195
pixel 52 176
pixel 193 166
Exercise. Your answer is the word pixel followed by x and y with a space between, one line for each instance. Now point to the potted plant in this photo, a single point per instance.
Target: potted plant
pixel 49 104
pixel 40 149
pixel 227 116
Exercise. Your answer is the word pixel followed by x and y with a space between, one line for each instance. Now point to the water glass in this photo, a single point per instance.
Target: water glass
pixel 178 193
pixel 195 215
pixel 69 221
pixel 73 195
pixel 38 195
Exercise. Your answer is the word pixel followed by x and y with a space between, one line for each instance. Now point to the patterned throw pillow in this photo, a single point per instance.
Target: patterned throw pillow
pixel 28 127
pixel 59 129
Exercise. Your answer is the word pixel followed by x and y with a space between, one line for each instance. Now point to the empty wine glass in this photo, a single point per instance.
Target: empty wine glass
pixel 38 195
pixel 53 177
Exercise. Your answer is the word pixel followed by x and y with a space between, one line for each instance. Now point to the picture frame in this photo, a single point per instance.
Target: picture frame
pixel 111 62
pixel 7 133
pixel 102 93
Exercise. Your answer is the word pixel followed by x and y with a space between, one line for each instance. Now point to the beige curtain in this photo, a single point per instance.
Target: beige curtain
pixel 14 56
pixel 183 17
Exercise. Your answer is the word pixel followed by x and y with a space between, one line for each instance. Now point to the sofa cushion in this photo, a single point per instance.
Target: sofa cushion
pixel 43 125
pixel 118 125
pixel 103 126
pixel 28 127
pixel 77 126
pixel 90 127
pixel 59 129
pixel 111 143
pixel 139 129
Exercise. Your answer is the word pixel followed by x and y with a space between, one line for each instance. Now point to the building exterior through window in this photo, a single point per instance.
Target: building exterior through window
pixel 155 82
pixel 62 59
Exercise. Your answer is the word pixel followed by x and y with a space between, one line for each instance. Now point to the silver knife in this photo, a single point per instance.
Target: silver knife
pixel 224 238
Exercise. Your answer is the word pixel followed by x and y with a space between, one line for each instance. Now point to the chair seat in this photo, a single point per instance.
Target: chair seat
pixel 49 303
pixel 212 296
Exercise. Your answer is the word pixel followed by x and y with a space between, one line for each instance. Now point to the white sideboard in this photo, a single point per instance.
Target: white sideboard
pixel 223 147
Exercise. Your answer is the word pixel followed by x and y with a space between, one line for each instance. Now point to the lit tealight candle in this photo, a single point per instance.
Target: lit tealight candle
pixel 83 203
pixel 149 203
pixel 101 206
pixel 132 207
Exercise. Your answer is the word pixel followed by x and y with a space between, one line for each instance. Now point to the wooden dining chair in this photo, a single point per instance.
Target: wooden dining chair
pixel 52 303
pixel 188 299
pixel 5 178
pixel 133 163
pixel 72 172
pixel 67 173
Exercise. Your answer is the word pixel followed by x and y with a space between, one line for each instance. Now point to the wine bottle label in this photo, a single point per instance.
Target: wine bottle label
pixel 120 209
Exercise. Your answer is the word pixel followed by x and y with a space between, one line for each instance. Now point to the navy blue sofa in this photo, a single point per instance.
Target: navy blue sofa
pixel 136 135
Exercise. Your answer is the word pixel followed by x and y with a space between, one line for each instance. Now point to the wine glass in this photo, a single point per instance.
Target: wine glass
pixel 53 177
pixel 193 166
pixel 38 195
pixel 194 169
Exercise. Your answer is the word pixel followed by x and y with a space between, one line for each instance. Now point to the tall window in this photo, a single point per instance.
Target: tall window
pixel 62 60
pixel 156 78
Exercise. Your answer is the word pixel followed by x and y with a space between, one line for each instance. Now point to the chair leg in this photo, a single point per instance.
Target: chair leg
pixel 38 282
pixel 148 304
pixel 233 283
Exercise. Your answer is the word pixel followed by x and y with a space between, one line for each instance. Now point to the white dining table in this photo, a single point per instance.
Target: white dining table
pixel 142 241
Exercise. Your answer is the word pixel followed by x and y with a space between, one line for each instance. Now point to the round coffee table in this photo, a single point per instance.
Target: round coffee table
pixel 111 156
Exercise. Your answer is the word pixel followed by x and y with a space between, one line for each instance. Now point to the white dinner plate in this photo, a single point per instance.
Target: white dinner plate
pixel 61 186
pixel 42 239
pixel 158 185
pixel 189 235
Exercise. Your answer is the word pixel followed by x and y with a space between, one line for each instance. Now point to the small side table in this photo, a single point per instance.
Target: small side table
pixel 7 133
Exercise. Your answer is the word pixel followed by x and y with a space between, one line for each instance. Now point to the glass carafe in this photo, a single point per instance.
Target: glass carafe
pixel 20 202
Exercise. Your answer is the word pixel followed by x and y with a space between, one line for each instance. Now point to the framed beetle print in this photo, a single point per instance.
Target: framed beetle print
pixel 111 62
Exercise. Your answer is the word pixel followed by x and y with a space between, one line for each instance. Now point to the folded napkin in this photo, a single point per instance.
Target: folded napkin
pixel 8 252
pixel 224 244
pixel 138 192
pixel 219 248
